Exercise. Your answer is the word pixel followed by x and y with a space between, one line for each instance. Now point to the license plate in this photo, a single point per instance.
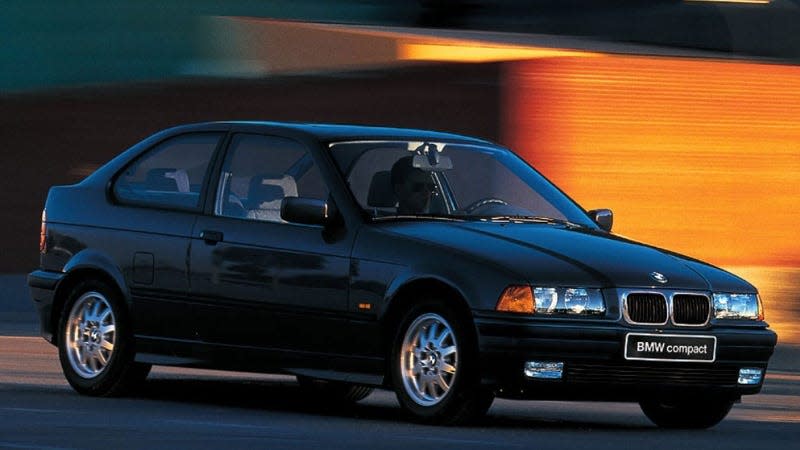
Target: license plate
pixel 670 347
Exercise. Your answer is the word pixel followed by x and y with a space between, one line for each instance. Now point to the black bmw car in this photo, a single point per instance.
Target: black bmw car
pixel 441 266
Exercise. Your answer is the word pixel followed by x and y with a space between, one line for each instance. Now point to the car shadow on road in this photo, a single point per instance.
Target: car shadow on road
pixel 287 396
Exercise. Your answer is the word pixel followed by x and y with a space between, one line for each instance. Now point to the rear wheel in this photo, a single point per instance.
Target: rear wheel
pixel 95 343
pixel 435 367
pixel 699 412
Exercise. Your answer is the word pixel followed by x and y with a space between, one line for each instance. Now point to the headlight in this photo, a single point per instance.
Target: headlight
pixel 576 301
pixel 738 306
pixel 552 301
pixel 546 299
pixel 572 301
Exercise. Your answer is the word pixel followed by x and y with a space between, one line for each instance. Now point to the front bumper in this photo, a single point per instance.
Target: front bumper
pixel 43 285
pixel 595 367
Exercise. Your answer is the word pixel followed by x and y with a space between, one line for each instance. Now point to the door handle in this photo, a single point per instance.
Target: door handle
pixel 211 236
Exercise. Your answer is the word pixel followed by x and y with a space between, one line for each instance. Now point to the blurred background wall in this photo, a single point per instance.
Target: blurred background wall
pixel 47 43
pixel 681 116
pixel 55 43
pixel 701 156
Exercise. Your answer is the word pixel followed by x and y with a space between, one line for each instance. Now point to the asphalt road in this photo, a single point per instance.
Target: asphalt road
pixel 182 408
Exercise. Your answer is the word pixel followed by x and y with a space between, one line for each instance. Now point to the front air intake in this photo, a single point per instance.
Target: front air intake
pixel 642 308
pixel 690 309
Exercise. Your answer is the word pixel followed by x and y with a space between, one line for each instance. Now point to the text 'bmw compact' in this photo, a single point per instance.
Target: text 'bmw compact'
pixel 441 266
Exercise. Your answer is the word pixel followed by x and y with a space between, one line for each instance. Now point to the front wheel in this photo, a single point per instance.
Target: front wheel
pixel 697 412
pixel 435 367
pixel 95 343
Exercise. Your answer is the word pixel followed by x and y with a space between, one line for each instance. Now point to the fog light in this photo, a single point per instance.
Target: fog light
pixel 750 375
pixel 546 370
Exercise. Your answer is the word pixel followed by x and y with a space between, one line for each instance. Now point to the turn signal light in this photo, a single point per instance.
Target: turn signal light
pixel 516 299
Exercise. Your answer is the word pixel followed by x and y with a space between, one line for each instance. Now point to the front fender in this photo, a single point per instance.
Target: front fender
pixel 478 288
pixel 408 276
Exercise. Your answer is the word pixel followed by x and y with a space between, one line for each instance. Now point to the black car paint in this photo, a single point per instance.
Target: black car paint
pixel 291 297
pixel 552 255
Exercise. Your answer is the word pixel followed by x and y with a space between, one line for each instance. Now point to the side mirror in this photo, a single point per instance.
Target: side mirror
pixel 603 217
pixel 307 211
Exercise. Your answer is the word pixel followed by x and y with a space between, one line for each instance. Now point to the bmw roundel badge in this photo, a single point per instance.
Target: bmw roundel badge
pixel 658 277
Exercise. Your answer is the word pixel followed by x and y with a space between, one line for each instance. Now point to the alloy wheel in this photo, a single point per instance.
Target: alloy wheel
pixel 90 334
pixel 429 359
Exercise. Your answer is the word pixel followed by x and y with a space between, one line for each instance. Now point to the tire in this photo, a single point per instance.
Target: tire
pixel 332 391
pixel 434 367
pixel 95 342
pixel 689 413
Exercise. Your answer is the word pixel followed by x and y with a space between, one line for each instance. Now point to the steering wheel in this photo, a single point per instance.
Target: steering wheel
pixel 483 202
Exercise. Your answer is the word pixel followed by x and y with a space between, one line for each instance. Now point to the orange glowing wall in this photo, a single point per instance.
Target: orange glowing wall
pixel 702 157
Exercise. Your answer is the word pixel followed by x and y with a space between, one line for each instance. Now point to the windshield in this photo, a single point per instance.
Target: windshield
pixel 403 179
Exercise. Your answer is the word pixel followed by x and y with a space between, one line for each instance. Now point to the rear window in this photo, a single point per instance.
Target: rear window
pixel 170 175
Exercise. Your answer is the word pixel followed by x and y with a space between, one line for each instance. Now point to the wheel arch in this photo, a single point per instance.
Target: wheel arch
pixel 411 293
pixel 85 266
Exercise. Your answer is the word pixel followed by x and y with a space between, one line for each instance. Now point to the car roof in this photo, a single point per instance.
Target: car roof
pixel 325 133
pixel 343 132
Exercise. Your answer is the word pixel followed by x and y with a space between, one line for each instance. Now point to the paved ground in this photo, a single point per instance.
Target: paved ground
pixel 181 408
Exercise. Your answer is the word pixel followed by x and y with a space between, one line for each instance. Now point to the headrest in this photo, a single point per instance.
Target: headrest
pixel 261 193
pixel 171 180
pixel 268 188
pixel 381 191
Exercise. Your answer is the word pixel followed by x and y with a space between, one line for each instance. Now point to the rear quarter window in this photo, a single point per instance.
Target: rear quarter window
pixel 170 175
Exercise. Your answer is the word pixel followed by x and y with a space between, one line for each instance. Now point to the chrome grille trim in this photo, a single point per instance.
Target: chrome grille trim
pixel 677 319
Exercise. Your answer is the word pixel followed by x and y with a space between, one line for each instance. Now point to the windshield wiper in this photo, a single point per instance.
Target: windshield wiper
pixel 416 217
pixel 533 219
pixel 508 219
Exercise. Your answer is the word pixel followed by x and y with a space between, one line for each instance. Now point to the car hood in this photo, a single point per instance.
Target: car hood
pixel 549 254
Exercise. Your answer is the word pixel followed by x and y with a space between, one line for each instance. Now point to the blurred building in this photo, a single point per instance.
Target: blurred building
pixel 694 142
pixel 55 43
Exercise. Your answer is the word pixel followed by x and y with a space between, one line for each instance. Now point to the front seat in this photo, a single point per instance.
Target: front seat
pixel 167 180
pixel 265 195
pixel 381 192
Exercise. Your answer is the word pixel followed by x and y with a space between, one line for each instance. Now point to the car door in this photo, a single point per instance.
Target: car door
pixel 258 280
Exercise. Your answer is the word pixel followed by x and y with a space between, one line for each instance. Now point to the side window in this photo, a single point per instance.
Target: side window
pixel 260 171
pixel 169 175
